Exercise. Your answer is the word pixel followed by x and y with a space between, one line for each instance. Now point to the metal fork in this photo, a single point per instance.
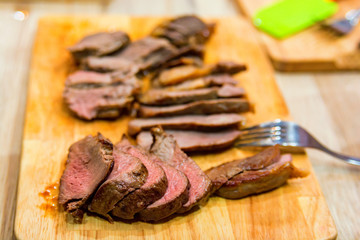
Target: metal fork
pixel 345 25
pixel 287 134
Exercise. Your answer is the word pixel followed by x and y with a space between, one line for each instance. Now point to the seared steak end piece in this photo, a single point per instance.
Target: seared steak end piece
pixel 89 162
pixel 219 175
pixel 258 181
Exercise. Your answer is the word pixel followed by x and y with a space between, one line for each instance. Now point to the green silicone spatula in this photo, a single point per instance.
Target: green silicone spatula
pixel 287 17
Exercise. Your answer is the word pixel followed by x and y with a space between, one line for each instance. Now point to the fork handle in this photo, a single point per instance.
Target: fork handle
pixel 349 159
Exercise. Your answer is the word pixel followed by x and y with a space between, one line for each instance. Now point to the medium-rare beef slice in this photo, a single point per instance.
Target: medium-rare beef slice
pixel 185 30
pixel 164 97
pixel 176 194
pixel 257 181
pixel 187 122
pixel 230 91
pixel 127 175
pixel 182 73
pixel 195 141
pixel 143 54
pixel 89 79
pixel 166 148
pixel 99 44
pixel 153 189
pixel 89 162
pixel 103 102
pixel 228 105
pixel 203 82
pixel 219 175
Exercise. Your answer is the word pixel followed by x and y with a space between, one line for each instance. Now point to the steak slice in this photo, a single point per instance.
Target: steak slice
pixel 103 102
pixel 89 79
pixel 230 105
pixel 128 174
pixel 203 82
pixel 187 122
pixel 185 30
pixel 193 141
pixel 99 44
pixel 152 190
pixel 177 193
pixel 166 149
pixel 257 181
pixel 219 175
pixel 143 54
pixel 89 162
pixel 230 91
pixel 164 97
pixel 182 73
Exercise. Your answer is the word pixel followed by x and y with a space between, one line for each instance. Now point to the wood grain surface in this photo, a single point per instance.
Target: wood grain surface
pixel 325 103
pixel 296 211
pixel 313 49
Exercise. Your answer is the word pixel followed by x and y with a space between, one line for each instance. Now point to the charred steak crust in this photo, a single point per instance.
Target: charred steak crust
pixel 177 193
pixel 89 162
pixel 187 122
pixel 258 181
pixel 229 105
pixel 128 174
pixel 219 175
pixel 167 150
pixel 152 190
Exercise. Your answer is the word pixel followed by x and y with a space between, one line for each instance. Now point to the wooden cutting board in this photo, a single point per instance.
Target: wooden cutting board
pixel 313 49
pixel 295 211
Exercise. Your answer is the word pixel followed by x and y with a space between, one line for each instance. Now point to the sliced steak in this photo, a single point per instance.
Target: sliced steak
pixel 185 30
pixel 182 73
pixel 127 175
pixel 177 193
pixel 230 91
pixel 219 175
pixel 187 122
pixel 194 141
pixel 89 79
pixel 203 82
pixel 163 97
pixel 166 149
pixel 103 102
pixel 99 44
pixel 230 105
pixel 152 190
pixel 143 54
pixel 257 181
pixel 89 162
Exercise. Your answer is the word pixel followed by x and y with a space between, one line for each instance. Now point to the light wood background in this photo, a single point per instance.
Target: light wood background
pixel 327 104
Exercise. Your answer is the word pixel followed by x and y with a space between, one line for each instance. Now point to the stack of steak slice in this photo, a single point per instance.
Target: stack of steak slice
pixel 129 182
pixel 203 100
pixel 120 61
pixel 91 95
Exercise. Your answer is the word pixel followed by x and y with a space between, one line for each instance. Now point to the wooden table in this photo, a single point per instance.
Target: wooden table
pixel 327 104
